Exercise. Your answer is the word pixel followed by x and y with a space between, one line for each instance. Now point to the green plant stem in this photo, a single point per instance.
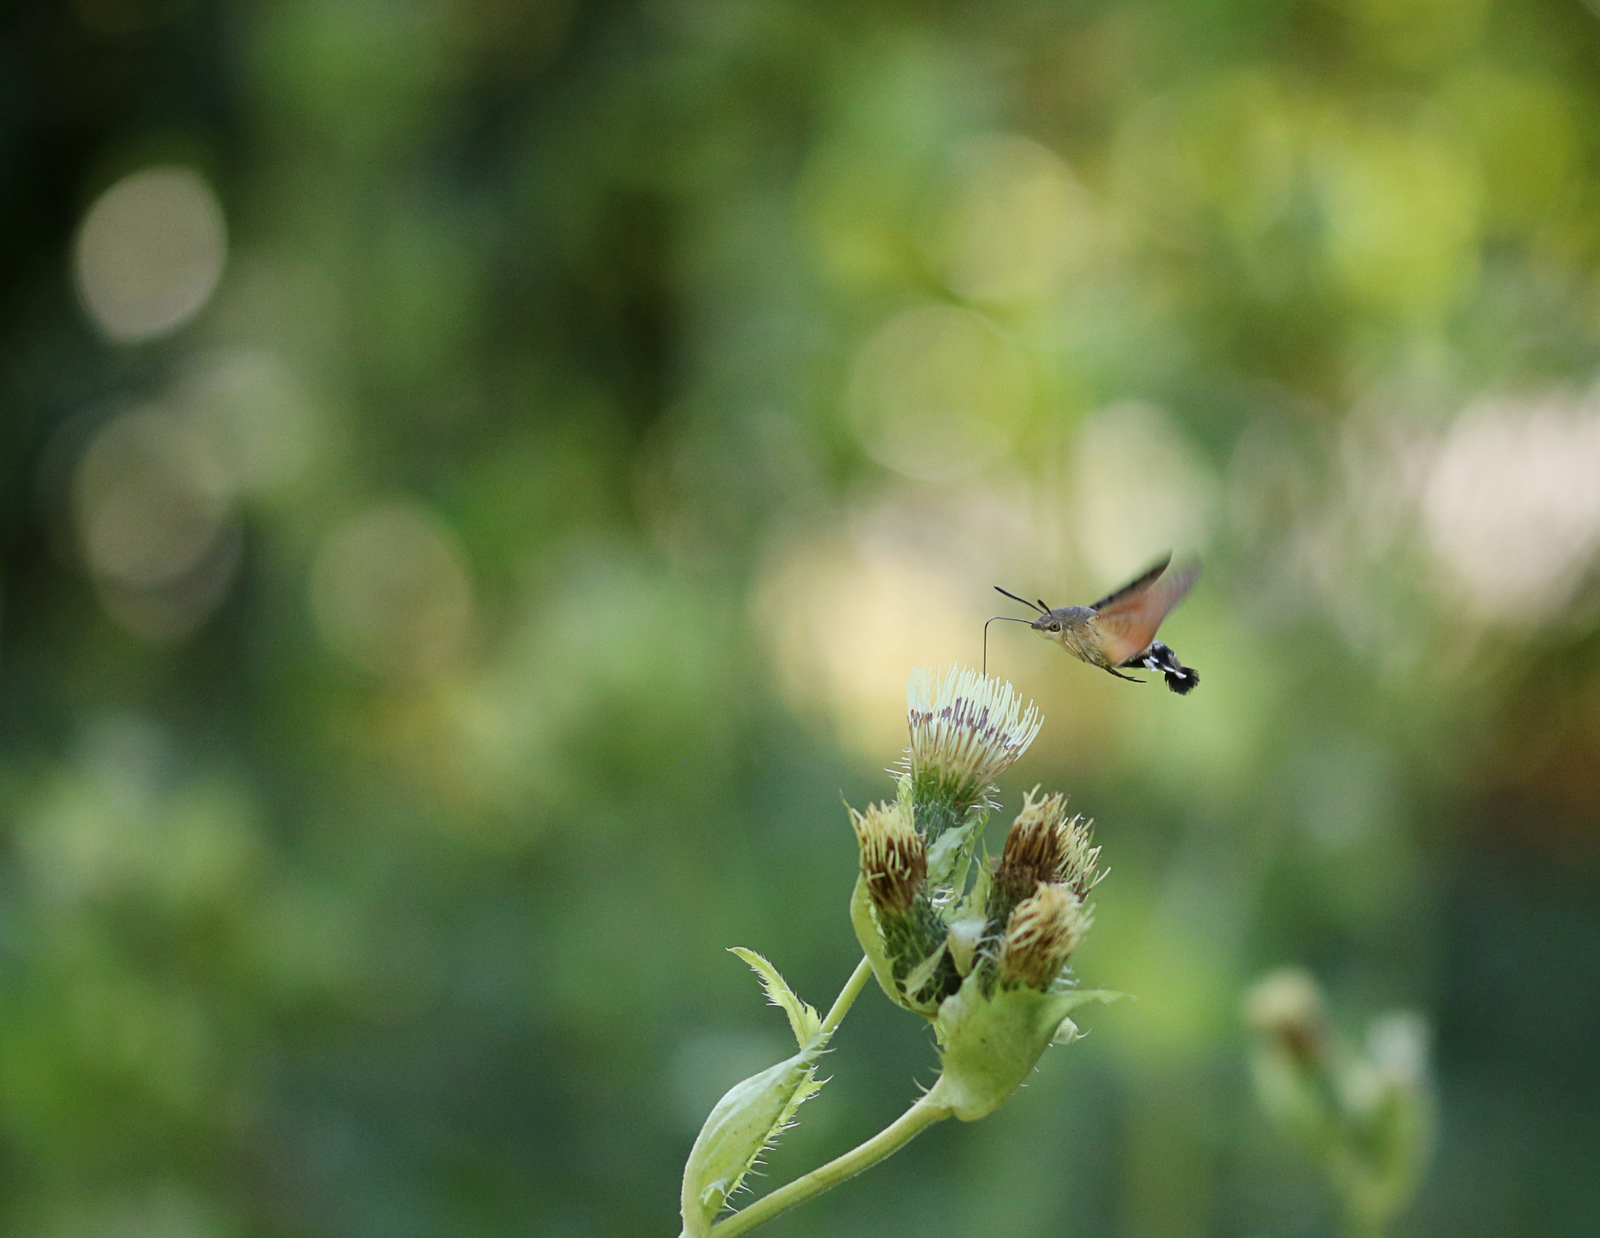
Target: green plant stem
pixel 928 1110
pixel 847 996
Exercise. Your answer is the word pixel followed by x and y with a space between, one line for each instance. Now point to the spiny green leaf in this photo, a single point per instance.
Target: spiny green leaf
pixel 804 1020
pixel 753 1113
pixel 745 1122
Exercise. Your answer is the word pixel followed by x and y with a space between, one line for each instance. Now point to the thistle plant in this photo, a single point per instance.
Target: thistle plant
pixel 978 946
pixel 1364 1115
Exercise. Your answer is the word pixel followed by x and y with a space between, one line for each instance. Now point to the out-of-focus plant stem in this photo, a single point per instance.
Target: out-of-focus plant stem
pixel 1363 1222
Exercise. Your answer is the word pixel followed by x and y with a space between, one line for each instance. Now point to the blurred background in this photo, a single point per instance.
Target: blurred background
pixel 478 474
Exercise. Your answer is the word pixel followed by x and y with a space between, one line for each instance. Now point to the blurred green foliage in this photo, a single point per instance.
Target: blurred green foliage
pixel 432 634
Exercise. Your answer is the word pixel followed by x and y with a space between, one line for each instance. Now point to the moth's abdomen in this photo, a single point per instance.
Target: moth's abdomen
pixel 1159 657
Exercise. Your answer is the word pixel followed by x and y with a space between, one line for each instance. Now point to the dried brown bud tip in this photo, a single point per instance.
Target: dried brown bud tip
pixel 1034 847
pixel 1041 935
pixel 1044 846
pixel 894 857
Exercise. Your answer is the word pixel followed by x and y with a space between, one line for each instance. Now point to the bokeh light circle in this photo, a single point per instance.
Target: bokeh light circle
pixel 150 498
pixel 391 592
pixel 1511 505
pixel 149 253
pixel 1016 217
pixel 939 393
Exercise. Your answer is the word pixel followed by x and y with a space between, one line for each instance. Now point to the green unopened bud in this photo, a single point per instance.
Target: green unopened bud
pixel 1041 934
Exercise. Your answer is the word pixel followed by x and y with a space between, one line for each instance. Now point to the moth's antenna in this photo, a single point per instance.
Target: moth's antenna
pixel 1038 606
pixel 992 618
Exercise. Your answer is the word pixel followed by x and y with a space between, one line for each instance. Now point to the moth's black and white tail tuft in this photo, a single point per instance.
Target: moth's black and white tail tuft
pixel 1159 657
pixel 1184 680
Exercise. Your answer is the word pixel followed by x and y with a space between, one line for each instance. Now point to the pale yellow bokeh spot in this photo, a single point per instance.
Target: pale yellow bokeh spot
pixel 1511 505
pixel 939 393
pixel 846 627
pixel 151 498
pixel 1141 489
pixel 255 414
pixel 1016 221
pixel 391 592
pixel 149 253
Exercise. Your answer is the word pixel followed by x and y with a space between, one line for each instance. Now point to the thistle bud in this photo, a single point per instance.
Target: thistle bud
pixel 1042 846
pixel 1014 1004
pixel 1285 1010
pixel 899 926
pixel 1041 934
pixel 1291 1060
pixel 894 858
pixel 1034 846
pixel 1366 1116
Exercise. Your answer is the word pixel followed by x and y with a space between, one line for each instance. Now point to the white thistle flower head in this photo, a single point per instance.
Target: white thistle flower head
pixel 966 730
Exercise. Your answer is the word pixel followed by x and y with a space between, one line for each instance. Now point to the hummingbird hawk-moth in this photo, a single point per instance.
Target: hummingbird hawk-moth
pixel 1118 632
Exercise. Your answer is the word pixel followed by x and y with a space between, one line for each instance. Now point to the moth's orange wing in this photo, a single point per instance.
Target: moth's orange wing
pixel 1127 620
pixel 1139 583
